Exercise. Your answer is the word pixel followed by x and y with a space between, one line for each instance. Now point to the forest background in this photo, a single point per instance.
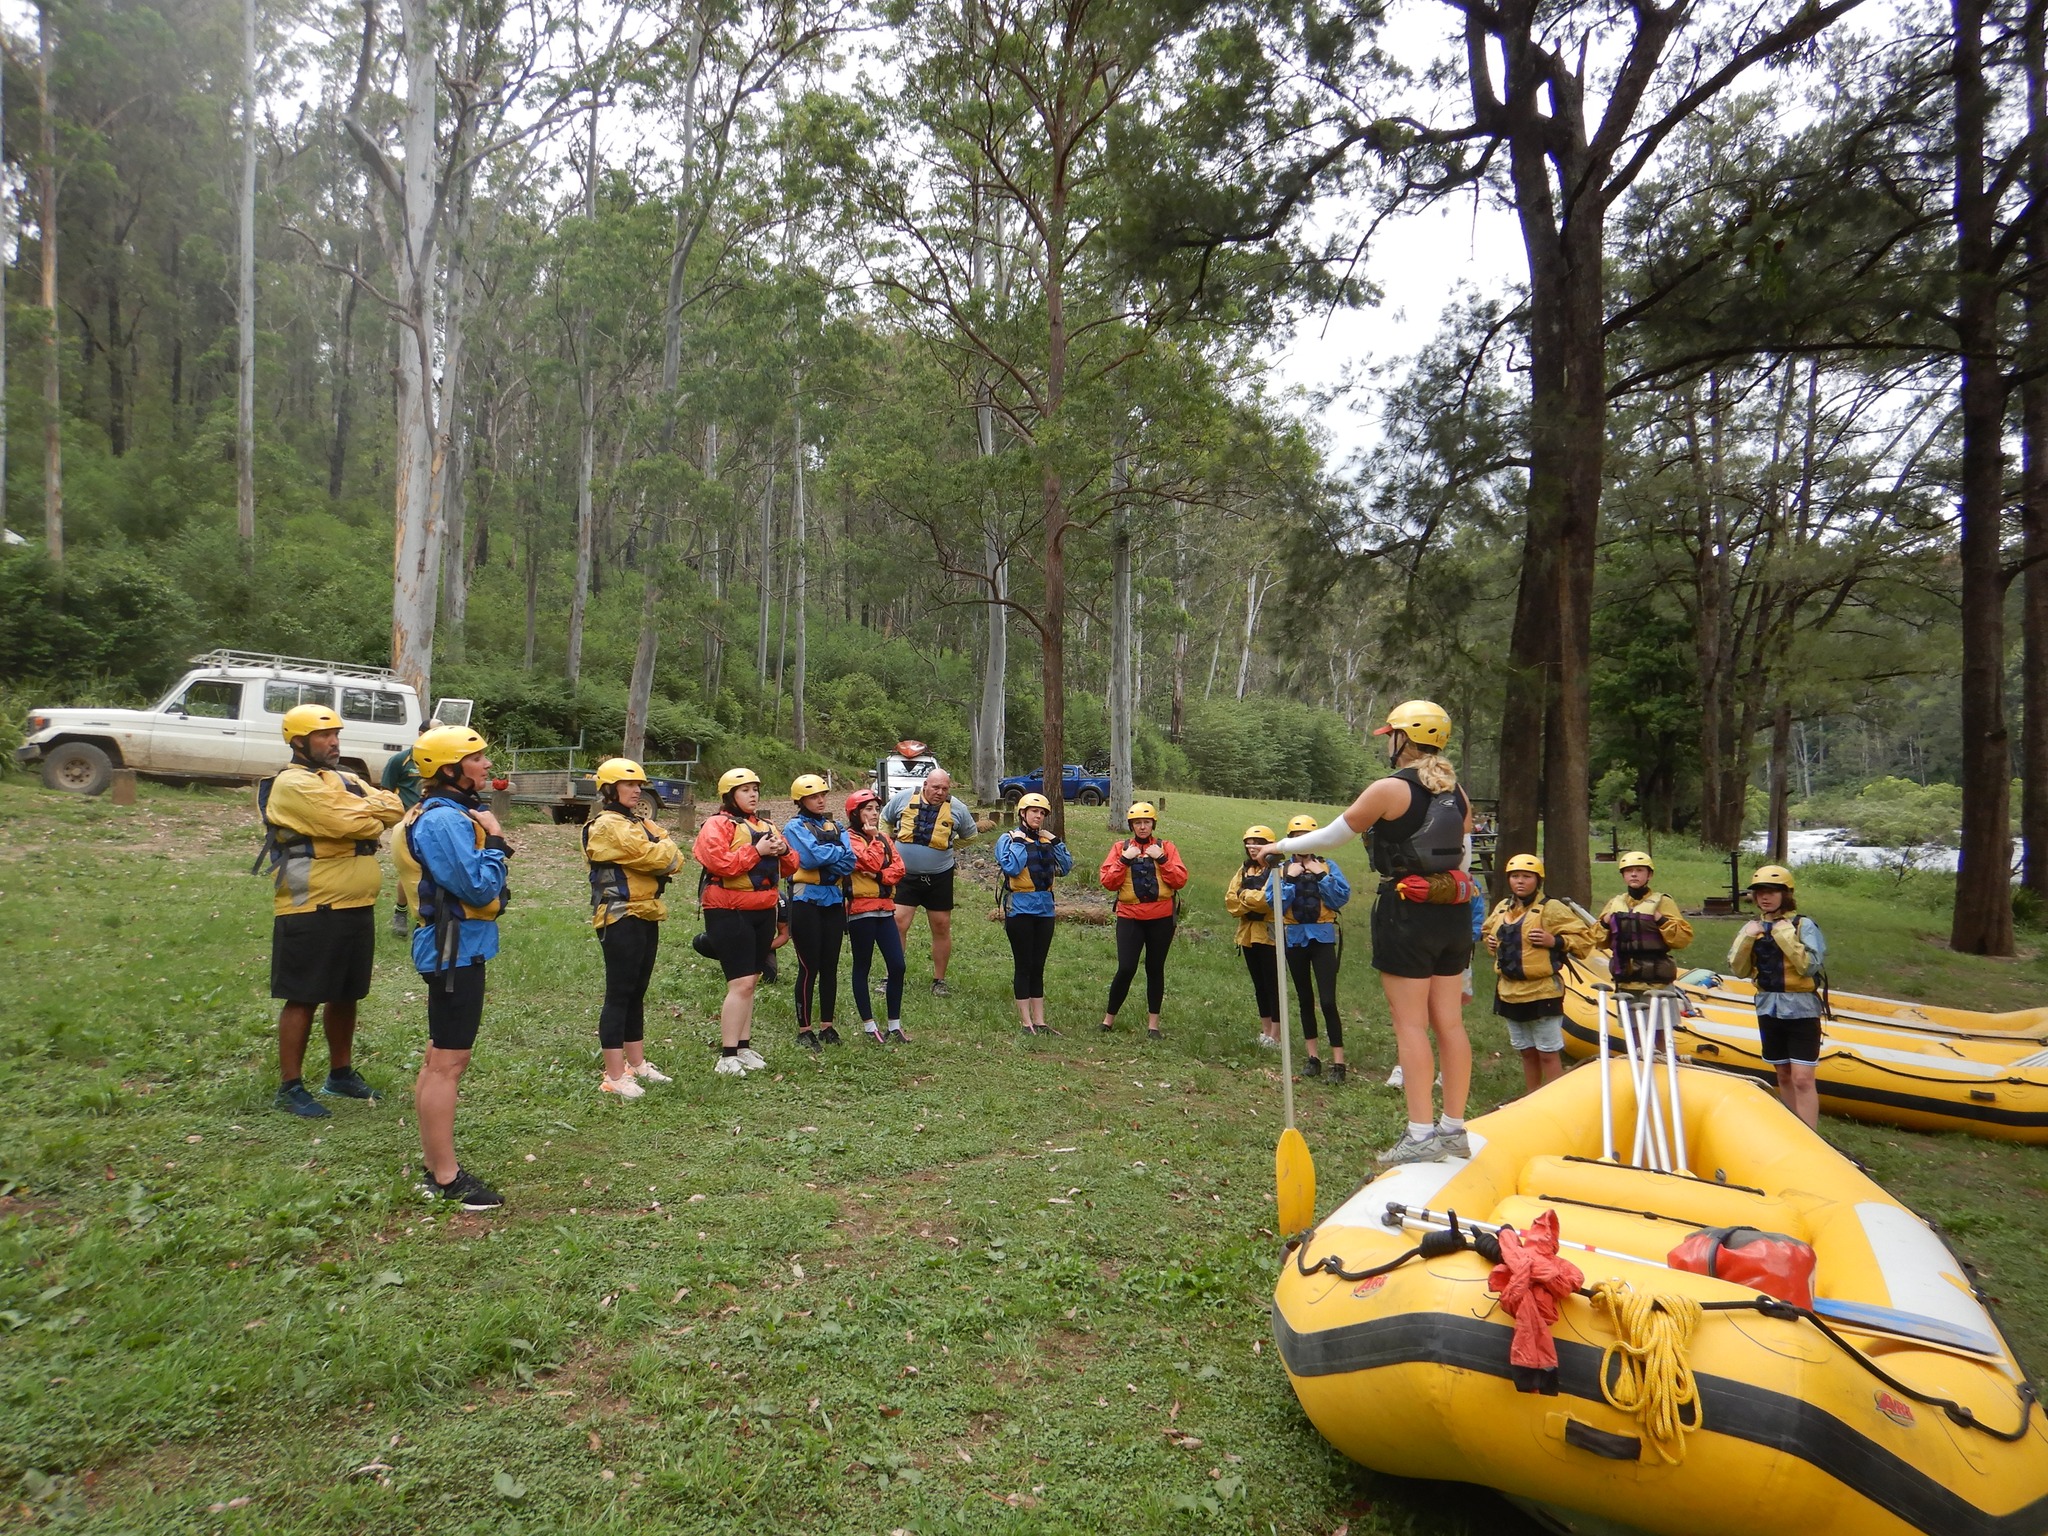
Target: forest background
pixel 780 377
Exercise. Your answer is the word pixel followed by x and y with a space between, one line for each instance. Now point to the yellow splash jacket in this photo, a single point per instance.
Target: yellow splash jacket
pixel 323 827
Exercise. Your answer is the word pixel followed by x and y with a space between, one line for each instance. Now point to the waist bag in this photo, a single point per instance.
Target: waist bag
pixel 1770 1262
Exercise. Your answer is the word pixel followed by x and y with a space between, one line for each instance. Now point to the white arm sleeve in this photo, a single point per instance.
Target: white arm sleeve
pixel 1323 839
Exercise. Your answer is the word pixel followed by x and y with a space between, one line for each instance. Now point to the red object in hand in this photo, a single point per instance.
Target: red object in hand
pixel 1413 887
pixel 1531 1280
pixel 501 783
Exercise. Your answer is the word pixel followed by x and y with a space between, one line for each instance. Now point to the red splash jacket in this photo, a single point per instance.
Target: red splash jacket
pixel 1144 884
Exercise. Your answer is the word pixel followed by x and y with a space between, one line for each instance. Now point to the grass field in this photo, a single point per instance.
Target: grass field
pixel 979 1283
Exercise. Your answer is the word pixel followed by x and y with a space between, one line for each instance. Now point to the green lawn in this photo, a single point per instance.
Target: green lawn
pixel 978 1284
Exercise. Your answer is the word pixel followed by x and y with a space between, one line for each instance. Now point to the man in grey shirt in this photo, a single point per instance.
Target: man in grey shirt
pixel 929 823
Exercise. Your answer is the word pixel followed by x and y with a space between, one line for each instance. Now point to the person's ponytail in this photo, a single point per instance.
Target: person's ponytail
pixel 1434 772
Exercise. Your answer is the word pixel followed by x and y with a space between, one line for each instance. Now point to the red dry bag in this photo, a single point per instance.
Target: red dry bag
pixel 1769 1262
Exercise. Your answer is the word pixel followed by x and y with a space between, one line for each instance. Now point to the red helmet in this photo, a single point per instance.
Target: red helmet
pixel 911 749
pixel 859 798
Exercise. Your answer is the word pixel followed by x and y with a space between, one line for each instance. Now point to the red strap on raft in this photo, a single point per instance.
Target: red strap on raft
pixel 1531 1280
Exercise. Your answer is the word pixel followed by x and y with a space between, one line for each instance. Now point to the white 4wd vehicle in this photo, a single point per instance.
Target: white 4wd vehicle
pixel 224 720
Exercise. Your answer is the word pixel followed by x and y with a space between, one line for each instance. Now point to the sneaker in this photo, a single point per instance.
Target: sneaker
pixel 940 989
pixel 347 1083
pixel 1313 1067
pixel 1269 1043
pixel 871 1032
pixel 1336 1074
pixel 808 1040
pixel 828 1036
pixel 1394 1078
pixel 401 922
pixel 627 1087
pixel 648 1072
pixel 896 1035
pixel 294 1100
pixel 1453 1143
pixel 749 1058
pixel 473 1193
pixel 730 1066
pixel 1413 1149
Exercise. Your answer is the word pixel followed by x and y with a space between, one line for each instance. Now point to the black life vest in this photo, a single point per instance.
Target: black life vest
pixel 1141 880
pixel 1428 840
pixel 1305 905
pixel 611 882
pixel 1041 864
pixel 1638 952
pixel 1507 959
pixel 824 830
pixel 862 886
pixel 764 874
pixel 1772 975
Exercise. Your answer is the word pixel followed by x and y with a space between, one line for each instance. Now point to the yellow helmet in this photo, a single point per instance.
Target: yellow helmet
pixel 1142 811
pixel 1259 832
pixel 1637 859
pixel 619 770
pixel 1528 862
pixel 305 719
pixel 1773 874
pixel 736 778
pixel 444 747
pixel 1302 823
pixel 1032 802
pixel 1420 721
pixel 805 785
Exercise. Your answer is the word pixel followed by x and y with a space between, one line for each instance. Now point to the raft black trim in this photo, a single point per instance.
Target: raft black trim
pixel 1665 1173
pixel 1858 1093
pixel 1602 1443
pixel 1739 1410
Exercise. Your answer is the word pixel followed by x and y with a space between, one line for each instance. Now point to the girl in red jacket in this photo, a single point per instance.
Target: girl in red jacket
pixel 871 912
pixel 1144 872
pixel 743 858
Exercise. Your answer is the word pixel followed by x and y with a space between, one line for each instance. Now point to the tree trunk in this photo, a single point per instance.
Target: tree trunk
pixel 1121 682
pixel 767 594
pixel 532 593
pixel 1780 840
pixel 1180 632
pixel 586 462
pixel 797 722
pixel 245 306
pixel 344 389
pixel 454 471
pixel 46 216
pixel 1983 912
pixel 7 243
pixel 117 375
pixel 2034 476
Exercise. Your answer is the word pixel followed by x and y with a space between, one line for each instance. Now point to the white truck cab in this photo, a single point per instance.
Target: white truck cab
pixel 224 721
pixel 905 768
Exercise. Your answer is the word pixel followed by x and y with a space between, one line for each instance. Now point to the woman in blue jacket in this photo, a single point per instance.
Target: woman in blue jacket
pixel 817 907
pixel 1031 857
pixel 1313 890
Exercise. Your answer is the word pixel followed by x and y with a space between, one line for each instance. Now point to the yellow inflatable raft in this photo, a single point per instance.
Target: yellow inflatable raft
pixel 1929 1068
pixel 1893 1405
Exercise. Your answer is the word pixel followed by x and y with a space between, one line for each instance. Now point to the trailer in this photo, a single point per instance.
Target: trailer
pixel 561 780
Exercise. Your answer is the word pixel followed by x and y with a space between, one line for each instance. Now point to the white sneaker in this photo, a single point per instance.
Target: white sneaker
pixel 750 1059
pixel 1268 1042
pixel 648 1072
pixel 729 1066
pixel 627 1087
pixel 1394 1078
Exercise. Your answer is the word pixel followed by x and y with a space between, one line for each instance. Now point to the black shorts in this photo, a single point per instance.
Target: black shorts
pixel 324 956
pixel 1789 1040
pixel 1417 938
pixel 455 1006
pixel 932 892
pixel 742 939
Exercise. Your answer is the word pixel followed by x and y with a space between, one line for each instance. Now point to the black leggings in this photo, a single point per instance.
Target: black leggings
pixel 629 946
pixel 1030 938
pixel 1258 959
pixel 868 935
pixel 816 931
pixel 1152 937
pixel 1320 959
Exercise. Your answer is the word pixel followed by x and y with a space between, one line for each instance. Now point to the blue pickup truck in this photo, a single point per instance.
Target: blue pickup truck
pixel 1077 784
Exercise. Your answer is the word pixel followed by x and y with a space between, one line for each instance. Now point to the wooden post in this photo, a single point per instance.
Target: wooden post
pixel 124 786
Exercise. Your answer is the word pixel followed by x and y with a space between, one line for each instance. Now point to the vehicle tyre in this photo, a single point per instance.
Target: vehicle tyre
pixel 1012 795
pixel 79 768
pixel 653 798
pixel 1090 796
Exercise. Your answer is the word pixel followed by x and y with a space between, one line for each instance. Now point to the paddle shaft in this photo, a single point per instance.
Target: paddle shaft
pixel 1280 971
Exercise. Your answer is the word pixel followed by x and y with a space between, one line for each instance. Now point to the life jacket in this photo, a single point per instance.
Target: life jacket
pixel 1514 959
pixel 282 844
pixel 863 886
pixel 1141 881
pixel 430 906
pixel 1041 864
pixel 1772 974
pixel 926 824
pixel 1305 906
pixel 1637 951
pixel 612 884
pixel 825 830
pixel 763 875
pixel 1428 840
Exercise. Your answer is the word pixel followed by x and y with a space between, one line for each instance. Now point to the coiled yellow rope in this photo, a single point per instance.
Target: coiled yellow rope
pixel 1654 1379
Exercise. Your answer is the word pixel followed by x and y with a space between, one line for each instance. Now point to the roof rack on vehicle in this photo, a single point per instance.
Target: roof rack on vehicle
pixel 227 658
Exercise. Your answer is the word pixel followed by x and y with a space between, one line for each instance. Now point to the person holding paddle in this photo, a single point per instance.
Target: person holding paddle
pixel 1417 823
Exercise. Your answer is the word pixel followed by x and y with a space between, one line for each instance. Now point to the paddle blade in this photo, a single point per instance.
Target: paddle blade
pixel 1294 1176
